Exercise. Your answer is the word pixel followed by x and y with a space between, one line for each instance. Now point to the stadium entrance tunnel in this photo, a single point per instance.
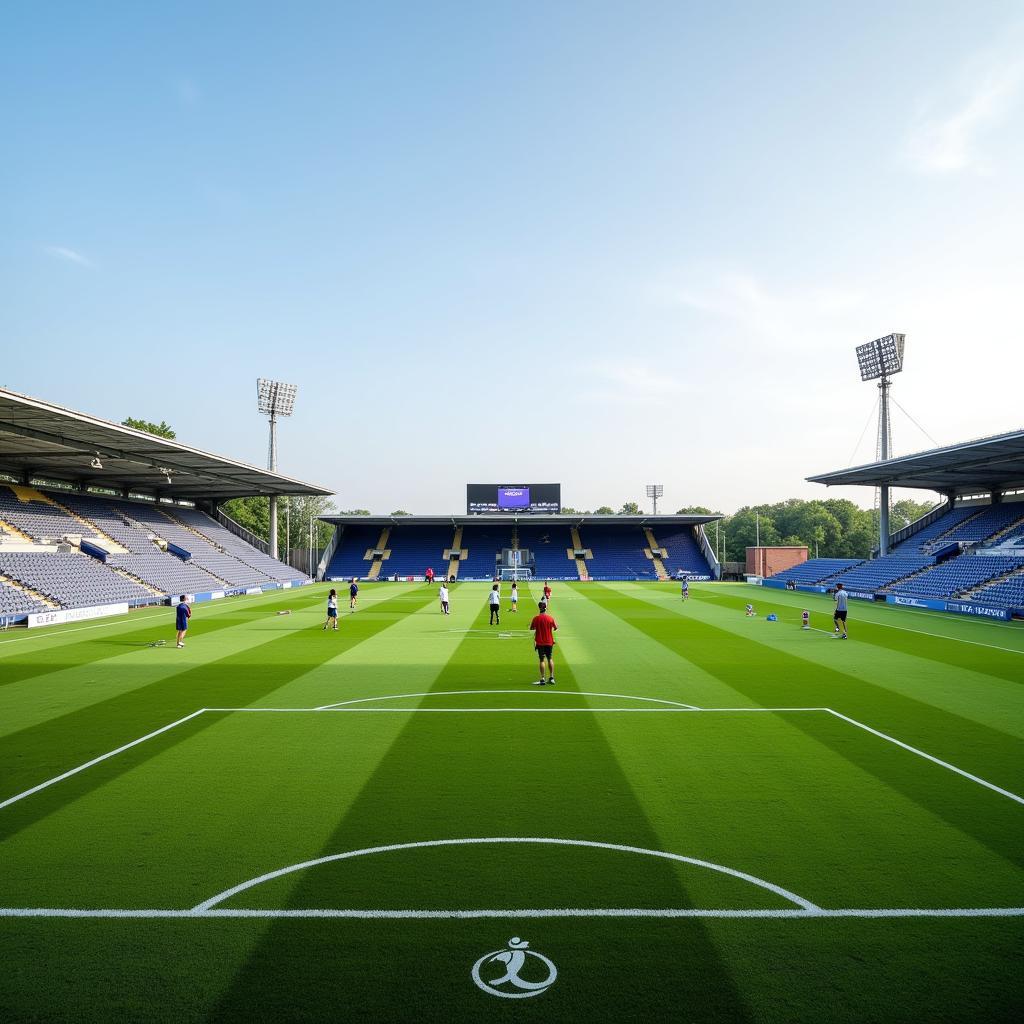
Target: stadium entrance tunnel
pixel 505 873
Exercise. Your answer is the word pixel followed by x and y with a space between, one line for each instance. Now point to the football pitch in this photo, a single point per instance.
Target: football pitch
pixel 710 817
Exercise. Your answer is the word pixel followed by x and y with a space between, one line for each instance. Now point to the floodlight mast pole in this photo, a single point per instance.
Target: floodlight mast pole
pixel 272 466
pixel 885 451
pixel 654 492
pixel 273 399
pixel 878 360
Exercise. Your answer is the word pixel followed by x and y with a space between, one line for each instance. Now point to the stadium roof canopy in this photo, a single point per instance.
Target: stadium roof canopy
pixel 39 440
pixel 511 519
pixel 992 464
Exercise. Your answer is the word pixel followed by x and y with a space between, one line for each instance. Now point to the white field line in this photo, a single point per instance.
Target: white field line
pixel 48 634
pixel 420 710
pixel 437 693
pixel 517 840
pixel 531 912
pixel 929 757
pixel 97 760
pixel 942 636
pixel 922 632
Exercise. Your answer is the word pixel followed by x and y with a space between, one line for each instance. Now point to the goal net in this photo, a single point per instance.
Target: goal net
pixel 516 574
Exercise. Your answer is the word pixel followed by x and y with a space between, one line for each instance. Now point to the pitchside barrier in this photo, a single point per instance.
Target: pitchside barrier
pixel 216 595
pixel 975 608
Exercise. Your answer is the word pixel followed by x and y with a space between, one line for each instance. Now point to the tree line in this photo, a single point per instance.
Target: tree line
pixel 827 527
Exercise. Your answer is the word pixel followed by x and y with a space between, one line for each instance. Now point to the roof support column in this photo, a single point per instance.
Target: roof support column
pixel 273 526
pixel 883 522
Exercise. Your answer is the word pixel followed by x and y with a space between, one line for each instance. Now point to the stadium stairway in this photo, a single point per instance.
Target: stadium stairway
pixel 656 553
pixel 23 507
pixel 455 546
pixel 94 531
pixel 138 580
pixel 6 527
pixel 577 545
pixel 376 561
pixel 902 580
pixel 1005 531
pixel 995 581
pixel 33 595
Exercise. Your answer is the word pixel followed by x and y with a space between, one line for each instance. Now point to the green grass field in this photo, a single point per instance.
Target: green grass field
pixel 709 818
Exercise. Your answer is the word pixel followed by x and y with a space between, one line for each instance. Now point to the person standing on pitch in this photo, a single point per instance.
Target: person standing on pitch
pixel 514 597
pixel 442 594
pixel 686 589
pixel 430 576
pixel 181 616
pixel 332 609
pixel 547 592
pixel 839 617
pixel 494 600
pixel 544 626
pixel 353 595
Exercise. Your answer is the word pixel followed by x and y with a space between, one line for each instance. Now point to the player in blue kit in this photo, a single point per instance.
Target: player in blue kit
pixel 182 613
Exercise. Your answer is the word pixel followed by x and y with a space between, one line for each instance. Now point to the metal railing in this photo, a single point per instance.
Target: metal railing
pixel 240 531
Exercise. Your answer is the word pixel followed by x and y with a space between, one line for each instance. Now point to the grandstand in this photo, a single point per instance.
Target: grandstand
pixel 562 547
pixel 119 517
pixel 965 555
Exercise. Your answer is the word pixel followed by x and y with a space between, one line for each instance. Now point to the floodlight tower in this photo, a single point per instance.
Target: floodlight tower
pixel 274 399
pixel 879 360
pixel 654 492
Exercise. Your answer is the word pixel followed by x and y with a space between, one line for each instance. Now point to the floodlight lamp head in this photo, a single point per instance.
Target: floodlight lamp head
pixel 655 490
pixel 882 357
pixel 275 398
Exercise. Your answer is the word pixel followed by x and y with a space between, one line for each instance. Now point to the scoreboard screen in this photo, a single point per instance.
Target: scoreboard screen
pixel 490 499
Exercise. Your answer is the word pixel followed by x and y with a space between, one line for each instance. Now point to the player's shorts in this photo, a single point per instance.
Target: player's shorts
pixel 332 613
pixel 840 616
pixel 544 650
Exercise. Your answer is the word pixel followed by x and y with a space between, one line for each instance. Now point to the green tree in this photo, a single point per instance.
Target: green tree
pixel 293 518
pixel 160 429
pixel 401 512
pixel 604 510
pixel 907 511
pixel 355 512
pixel 629 508
pixel 696 510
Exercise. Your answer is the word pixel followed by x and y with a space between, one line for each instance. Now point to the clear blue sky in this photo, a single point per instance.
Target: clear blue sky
pixel 600 243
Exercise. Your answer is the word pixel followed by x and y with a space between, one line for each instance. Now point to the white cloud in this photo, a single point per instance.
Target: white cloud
pixel 62 252
pixel 949 140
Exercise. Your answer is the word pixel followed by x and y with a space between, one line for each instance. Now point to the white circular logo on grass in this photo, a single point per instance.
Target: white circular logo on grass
pixel 499 973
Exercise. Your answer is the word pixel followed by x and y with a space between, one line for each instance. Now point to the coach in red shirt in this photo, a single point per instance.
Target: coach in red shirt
pixel 544 626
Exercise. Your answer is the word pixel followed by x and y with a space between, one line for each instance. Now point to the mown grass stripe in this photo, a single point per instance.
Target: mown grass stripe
pixel 417 779
pixel 37 753
pixel 768 676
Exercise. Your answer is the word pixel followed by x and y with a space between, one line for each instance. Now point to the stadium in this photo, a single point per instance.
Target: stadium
pixel 546 741
pixel 710 794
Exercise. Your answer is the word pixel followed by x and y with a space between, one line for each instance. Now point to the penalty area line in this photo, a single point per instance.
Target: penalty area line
pixel 929 757
pixel 520 913
pixel 463 693
pixel 97 760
